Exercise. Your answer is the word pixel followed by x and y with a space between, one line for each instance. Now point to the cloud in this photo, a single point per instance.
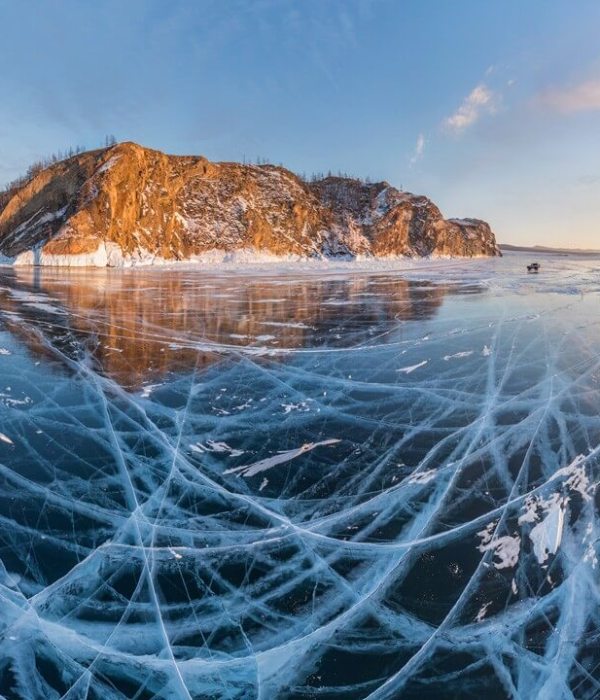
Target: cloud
pixel 584 97
pixel 481 100
pixel 419 149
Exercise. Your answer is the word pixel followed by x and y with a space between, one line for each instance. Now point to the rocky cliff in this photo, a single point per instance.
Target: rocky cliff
pixel 127 203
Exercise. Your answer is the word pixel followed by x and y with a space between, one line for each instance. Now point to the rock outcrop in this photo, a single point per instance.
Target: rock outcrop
pixel 127 203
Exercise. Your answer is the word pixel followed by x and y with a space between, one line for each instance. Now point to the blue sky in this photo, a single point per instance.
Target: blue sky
pixel 491 108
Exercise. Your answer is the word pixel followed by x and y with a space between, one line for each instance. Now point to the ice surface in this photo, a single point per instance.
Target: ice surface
pixel 335 484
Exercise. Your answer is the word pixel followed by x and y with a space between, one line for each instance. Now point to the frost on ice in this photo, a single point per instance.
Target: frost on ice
pixel 183 518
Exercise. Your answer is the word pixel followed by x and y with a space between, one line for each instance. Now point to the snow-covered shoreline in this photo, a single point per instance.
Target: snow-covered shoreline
pixel 110 255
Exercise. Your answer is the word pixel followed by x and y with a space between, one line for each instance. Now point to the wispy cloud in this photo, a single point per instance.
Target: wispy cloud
pixel 419 149
pixel 583 97
pixel 481 100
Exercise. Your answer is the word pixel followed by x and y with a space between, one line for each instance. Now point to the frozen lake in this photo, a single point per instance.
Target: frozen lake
pixel 326 483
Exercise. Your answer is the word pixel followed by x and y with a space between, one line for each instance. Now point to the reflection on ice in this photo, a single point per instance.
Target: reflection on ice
pixel 138 325
pixel 353 486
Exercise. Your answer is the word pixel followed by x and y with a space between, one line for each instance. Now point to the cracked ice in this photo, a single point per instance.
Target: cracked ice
pixel 314 485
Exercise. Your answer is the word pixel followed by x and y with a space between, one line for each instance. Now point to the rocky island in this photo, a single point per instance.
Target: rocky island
pixel 127 204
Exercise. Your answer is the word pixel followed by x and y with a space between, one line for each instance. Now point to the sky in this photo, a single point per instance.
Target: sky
pixel 491 108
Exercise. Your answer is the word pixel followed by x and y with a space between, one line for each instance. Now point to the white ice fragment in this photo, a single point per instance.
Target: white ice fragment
pixel 6 439
pixel 487 351
pixel 577 477
pixel 412 368
pixel 282 324
pixel 244 406
pixel 264 338
pixel 148 389
pixel 263 483
pixel 529 514
pixel 546 536
pixel 456 355
pixel 482 611
pixel 506 548
pixel 302 406
pixel 214 446
pixel 262 465
pixel 548 514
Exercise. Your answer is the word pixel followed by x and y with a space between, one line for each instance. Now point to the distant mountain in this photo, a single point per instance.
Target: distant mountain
pixel 546 249
pixel 126 204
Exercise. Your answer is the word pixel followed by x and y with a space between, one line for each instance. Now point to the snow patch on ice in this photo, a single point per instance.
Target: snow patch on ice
pixel 546 536
pixel 412 368
pixel 457 355
pixel 506 549
pixel 216 446
pixel 262 465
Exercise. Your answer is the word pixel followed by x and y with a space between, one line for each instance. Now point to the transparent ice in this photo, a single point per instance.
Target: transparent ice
pixel 333 484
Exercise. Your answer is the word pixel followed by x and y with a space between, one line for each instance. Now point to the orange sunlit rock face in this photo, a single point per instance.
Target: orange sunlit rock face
pixel 142 202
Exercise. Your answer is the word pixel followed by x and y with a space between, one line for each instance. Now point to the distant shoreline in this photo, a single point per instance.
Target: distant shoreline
pixel 545 249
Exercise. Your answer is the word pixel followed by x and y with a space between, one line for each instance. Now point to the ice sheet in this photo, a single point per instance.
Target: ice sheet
pixel 320 484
